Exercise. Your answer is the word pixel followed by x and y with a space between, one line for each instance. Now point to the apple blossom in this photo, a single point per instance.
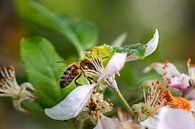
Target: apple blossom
pixel 78 99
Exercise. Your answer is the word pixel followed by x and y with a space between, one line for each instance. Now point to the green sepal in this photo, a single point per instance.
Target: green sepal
pixel 132 49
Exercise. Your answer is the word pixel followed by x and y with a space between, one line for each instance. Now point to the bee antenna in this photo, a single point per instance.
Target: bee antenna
pixel 105 57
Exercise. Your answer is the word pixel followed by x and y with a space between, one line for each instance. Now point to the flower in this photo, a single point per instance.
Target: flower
pixel 10 88
pixel 170 118
pixel 162 110
pixel 97 105
pixel 157 96
pixel 151 46
pixel 123 121
pixel 126 121
pixel 172 76
pixel 107 123
pixel 79 99
pixel 152 100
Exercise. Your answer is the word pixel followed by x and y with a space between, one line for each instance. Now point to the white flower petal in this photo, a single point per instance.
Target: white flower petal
pixel 191 95
pixel 158 67
pixel 170 118
pixel 132 58
pixel 151 47
pixel 72 105
pixel 152 44
pixel 115 64
pixel 107 123
pixel 171 70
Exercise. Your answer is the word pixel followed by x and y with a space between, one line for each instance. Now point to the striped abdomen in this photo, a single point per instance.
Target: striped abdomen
pixel 69 74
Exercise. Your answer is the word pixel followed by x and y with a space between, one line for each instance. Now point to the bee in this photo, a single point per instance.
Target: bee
pixel 74 71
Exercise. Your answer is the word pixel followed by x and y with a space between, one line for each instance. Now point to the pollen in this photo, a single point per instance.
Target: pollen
pixel 175 102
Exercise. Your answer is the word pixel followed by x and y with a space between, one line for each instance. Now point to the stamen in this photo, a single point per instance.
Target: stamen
pixel 92 72
pixel 144 93
pixel 10 88
pixel 99 65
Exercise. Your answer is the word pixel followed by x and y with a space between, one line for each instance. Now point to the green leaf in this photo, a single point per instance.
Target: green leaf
pixel 39 59
pixel 85 32
pixel 133 49
pixel 81 34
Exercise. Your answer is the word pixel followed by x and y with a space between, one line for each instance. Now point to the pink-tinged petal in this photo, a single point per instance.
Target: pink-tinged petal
pixel 107 123
pixel 150 123
pixel 192 102
pixel 115 64
pixel 151 47
pixel 72 105
pixel 160 68
pixel 152 44
pixel 191 69
pixel 132 58
pixel 191 94
pixel 180 82
pixel 170 118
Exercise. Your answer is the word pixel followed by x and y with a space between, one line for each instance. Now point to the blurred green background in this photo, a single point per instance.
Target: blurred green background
pixel 138 18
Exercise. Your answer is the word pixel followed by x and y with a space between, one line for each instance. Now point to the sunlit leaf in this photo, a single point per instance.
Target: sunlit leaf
pixel 39 59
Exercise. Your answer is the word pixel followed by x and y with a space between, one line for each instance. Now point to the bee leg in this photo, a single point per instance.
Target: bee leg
pixel 75 81
pixel 90 79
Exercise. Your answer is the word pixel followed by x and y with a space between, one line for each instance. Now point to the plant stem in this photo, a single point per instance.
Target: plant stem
pixel 124 102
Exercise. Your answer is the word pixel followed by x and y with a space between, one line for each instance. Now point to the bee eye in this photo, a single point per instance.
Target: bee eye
pixel 91 67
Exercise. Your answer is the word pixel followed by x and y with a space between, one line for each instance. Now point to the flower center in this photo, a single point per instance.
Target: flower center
pixel 92 106
pixel 97 105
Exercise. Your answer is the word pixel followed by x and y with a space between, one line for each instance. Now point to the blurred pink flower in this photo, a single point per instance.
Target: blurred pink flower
pixel 171 75
pixel 107 123
pixel 123 121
